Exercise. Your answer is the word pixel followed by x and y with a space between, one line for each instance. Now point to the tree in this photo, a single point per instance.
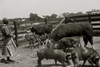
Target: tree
pixel 79 13
pixel 72 14
pixel 34 17
pixel 54 16
pixel 88 12
pixel 46 16
pixel 65 14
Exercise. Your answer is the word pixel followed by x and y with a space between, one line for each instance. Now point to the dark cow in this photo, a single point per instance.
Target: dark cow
pixel 78 54
pixel 55 54
pixel 74 29
pixel 67 42
pixel 41 29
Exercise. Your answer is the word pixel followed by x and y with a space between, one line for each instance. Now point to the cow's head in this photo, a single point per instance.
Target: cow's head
pixel 32 29
pixel 95 59
pixel 73 43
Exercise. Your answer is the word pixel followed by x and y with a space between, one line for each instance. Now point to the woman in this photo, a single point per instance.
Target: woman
pixel 8 43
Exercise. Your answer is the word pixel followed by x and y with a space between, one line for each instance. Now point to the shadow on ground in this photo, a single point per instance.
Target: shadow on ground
pixel 50 65
pixel 59 65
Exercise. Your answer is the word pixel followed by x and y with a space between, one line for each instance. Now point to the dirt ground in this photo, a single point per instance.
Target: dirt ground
pixel 26 57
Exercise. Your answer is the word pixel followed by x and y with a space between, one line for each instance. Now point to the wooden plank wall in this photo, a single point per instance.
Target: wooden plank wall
pixel 94 19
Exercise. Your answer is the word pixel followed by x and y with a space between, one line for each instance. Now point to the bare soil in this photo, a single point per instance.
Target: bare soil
pixel 27 57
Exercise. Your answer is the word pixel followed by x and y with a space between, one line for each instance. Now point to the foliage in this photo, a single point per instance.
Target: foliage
pixel 34 17
pixel 65 14
pixel 46 16
pixel 54 16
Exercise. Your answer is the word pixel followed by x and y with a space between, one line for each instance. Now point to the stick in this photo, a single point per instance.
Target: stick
pixel 16 34
pixel 58 25
pixel 71 19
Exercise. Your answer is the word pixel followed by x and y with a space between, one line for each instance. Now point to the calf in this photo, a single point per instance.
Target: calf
pixel 42 38
pixel 31 40
pixel 67 42
pixel 78 54
pixel 49 53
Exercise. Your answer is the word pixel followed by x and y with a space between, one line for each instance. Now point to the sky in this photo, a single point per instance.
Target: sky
pixel 22 8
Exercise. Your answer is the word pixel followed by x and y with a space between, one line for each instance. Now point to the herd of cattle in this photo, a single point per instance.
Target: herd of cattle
pixel 63 40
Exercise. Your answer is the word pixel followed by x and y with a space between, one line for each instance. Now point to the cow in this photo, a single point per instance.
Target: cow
pixel 74 29
pixel 78 54
pixel 41 29
pixel 68 42
pixel 50 53
pixel 31 39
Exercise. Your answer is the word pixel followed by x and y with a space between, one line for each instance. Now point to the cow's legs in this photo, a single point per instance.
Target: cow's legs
pixel 33 44
pixel 29 44
pixel 97 63
pixel 83 45
pixel 84 61
pixel 76 62
pixel 85 40
pixel 75 59
pixel 90 61
pixel 91 41
pixel 63 63
pixel 39 61
pixel 64 49
pixel 67 59
pixel 55 62
pixel 89 37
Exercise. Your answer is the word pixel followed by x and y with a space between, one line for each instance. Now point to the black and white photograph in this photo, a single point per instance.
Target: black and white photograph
pixel 49 33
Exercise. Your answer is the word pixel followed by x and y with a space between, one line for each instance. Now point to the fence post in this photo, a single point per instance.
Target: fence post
pixel 89 14
pixel 45 20
pixel 16 35
pixel 66 20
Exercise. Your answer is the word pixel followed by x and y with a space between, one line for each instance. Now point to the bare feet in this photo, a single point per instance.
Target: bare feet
pixel 4 61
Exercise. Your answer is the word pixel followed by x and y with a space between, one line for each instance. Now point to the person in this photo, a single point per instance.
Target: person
pixel 48 42
pixel 9 46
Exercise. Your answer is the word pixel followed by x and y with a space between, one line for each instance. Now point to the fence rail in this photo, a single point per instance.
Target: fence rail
pixel 85 15
pixel 89 18
pixel 78 18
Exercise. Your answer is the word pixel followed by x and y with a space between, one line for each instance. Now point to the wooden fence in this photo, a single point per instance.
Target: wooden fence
pixel 86 17
pixel 94 19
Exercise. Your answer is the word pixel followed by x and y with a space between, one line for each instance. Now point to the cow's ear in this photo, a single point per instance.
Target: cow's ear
pixel 72 41
pixel 95 59
pixel 67 56
pixel 98 63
